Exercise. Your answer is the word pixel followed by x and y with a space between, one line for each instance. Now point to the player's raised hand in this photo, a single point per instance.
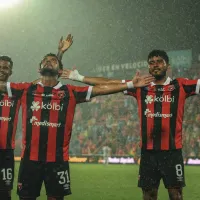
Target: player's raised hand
pixel 72 75
pixel 141 81
pixel 64 44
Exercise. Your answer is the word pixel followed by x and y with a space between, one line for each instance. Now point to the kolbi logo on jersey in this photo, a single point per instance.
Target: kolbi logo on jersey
pixel 7 103
pixel 165 98
pixel 34 121
pixel 150 114
pixel 36 105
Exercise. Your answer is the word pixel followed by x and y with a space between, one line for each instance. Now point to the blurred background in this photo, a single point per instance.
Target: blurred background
pixel 112 38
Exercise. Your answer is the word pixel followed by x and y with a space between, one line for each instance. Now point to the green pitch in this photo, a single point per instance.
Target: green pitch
pixel 116 182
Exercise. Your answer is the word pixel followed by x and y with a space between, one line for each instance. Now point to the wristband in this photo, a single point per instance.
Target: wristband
pixel 130 84
pixel 80 78
pixel 74 75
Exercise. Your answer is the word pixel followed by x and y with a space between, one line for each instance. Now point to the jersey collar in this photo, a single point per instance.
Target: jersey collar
pixel 59 84
pixel 167 82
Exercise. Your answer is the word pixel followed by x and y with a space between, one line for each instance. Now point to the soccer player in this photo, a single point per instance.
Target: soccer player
pixel 47 115
pixel 161 108
pixel 9 108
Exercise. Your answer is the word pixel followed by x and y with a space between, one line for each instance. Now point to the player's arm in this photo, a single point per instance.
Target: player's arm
pixel 13 88
pixel 136 82
pixel 191 87
pixel 83 94
pixel 17 89
pixel 64 45
pixel 76 76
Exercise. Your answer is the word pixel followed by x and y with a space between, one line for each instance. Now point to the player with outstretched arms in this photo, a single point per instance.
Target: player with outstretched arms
pixel 160 108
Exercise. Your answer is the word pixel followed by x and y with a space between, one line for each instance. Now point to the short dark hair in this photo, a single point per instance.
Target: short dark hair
pixel 7 58
pixel 54 55
pixel 160 53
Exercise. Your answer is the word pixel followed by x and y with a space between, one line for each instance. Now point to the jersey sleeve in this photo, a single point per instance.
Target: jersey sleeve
pixel 130 92
pixel 82 94
pixel 16 89
pixel 191 87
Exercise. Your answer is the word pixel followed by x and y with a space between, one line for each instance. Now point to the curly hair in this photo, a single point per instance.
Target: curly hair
pixel 160 53
pixel 7 58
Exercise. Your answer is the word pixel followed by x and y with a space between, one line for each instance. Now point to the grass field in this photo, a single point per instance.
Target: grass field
pixel 116 182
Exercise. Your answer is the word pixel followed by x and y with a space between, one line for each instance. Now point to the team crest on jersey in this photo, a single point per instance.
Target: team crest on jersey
pixel 171 87
pixel 61 94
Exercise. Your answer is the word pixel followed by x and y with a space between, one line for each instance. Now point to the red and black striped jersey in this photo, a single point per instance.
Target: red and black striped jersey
pixel 161 109
pixel 47 117
pixel 9 108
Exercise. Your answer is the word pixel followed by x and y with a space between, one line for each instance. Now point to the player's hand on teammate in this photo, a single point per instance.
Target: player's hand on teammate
pixel 66 73
pixel 64 44
pixel 141 81
pixel 71 74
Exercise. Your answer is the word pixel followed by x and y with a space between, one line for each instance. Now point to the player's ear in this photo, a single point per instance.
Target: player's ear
pixel 10 73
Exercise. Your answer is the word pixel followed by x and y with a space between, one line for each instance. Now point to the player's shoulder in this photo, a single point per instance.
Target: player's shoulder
pixel 20 84
pixel 181 79
pixel 187 82
pixel 77 87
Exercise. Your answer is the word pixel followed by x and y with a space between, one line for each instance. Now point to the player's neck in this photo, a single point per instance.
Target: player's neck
pixel 49 81
pixel 160 81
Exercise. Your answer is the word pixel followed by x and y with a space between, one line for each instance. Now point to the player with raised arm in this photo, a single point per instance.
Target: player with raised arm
pixel 160 108
pixel 9 109
pixel 47 115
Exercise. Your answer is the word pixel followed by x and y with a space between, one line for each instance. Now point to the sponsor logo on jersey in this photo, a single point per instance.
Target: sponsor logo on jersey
pixel 148 113
pixel 5 119
pixel 7 103
pixel 165 98
pixel 34 121
pixel 36 105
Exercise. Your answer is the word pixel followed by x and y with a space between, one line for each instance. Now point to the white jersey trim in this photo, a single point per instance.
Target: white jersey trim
pixel 197 87
pixel 125 91
pixel 9 89
pixel 59 85
pixel 88 97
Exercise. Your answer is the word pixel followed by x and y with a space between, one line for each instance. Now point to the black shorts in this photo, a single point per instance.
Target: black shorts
pixel 157 165
pixel 55 175
pixel 6 169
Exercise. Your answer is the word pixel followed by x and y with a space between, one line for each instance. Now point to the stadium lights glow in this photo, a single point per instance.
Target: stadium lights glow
pixel 8 3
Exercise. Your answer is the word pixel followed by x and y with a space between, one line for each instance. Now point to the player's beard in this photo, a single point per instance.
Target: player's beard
pixel 48 72
pixel 159 76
